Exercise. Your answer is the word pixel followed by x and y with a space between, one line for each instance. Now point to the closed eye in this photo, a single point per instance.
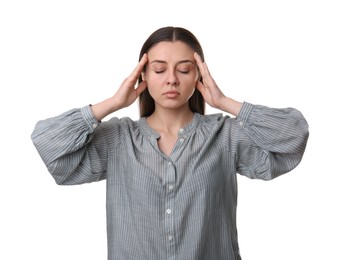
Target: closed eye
pixel 184 71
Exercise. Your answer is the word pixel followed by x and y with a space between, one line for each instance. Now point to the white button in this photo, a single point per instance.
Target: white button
pixel 240 123
pixel 94 125
pixel 169 163
pixel 170 237
pixel 181 140
pixel 181 130
pixel 169 211
pixel 171 187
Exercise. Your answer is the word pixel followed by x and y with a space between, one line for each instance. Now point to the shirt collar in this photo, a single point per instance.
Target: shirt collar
pixel 150 132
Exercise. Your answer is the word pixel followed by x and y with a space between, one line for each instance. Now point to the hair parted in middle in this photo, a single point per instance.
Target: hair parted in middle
pixel 171 34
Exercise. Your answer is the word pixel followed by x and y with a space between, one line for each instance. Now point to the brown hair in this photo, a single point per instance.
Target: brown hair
pixel 171 34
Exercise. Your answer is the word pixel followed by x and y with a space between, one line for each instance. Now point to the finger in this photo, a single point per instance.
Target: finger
pixel 139 68
pixel 200 87
pixel 197 57
pixel 202 67
pixel 198 60
pixel 142 86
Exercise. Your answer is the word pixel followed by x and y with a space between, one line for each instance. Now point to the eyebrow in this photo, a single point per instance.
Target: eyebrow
pixel 179 62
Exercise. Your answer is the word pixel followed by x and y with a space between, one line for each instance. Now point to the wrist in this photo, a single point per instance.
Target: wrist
pixel 230 106
pixel 104 108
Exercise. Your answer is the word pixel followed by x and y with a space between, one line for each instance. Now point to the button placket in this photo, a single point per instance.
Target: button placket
pixel 180 135
pixel 169 207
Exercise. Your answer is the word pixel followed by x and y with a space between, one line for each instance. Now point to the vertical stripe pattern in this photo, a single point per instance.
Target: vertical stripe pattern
pixel 181 206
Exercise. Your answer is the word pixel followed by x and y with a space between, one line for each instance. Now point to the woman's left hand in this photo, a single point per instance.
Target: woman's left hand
pixel 208 88
pixel 211 92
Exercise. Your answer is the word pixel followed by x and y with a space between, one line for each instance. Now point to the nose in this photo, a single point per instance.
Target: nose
pixel 172 79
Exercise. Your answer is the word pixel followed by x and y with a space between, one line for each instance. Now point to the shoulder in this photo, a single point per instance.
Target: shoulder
pixel 215 120
pixel 123 123
pixel 215 123
pixel 117 126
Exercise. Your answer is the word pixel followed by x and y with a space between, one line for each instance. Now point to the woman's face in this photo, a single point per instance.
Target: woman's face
pixel 171 74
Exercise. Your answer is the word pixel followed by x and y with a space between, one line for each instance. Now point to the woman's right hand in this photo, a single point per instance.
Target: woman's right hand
pixel 125 95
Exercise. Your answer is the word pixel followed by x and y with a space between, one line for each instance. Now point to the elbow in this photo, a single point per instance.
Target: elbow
pixel 60 177
pixel 280 164
pixel 60 181
pixel 276 165
pixel 76 177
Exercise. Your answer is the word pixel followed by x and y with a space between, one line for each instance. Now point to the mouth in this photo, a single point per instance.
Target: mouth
pixel 171 94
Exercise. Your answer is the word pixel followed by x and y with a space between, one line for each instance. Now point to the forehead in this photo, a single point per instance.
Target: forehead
pixel 169 51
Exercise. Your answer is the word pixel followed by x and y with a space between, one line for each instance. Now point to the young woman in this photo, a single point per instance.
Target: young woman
pixel 171 175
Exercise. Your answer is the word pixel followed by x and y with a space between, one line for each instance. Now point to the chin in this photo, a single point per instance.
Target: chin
pixel 174 105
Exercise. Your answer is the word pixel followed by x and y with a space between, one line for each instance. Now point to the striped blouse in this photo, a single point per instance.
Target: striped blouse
pixel 181 206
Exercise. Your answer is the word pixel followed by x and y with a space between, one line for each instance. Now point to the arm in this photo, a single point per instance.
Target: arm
pixel 212 94
pixel 71 145
pixel 270 141
pixel 74 145
pixel 125 95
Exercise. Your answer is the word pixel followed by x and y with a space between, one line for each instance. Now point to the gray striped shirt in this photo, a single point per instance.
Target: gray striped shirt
pixel 181 206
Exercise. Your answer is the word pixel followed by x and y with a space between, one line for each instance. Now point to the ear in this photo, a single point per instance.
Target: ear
pixel 143 75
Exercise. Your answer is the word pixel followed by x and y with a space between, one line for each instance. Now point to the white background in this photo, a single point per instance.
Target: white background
pixel 57 55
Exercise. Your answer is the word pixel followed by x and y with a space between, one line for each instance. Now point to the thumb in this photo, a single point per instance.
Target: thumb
pixel 142 86
pixel 200 87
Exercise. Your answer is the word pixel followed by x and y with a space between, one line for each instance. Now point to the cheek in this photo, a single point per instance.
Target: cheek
pixel 188 89
pixel 153 84
pixel 152 78
pixel 190 83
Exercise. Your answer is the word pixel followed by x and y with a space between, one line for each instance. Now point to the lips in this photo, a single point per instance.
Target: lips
pixel 171 94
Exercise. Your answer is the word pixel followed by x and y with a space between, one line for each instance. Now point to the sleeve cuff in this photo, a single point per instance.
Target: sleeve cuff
pixel 244 114
pixel 89 117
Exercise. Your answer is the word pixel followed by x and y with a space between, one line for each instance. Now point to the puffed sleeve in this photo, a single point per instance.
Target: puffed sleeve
pixel 272 140
pixel 73 146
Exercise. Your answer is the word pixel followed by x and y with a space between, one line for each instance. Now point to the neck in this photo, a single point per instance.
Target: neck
pixel 170 120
